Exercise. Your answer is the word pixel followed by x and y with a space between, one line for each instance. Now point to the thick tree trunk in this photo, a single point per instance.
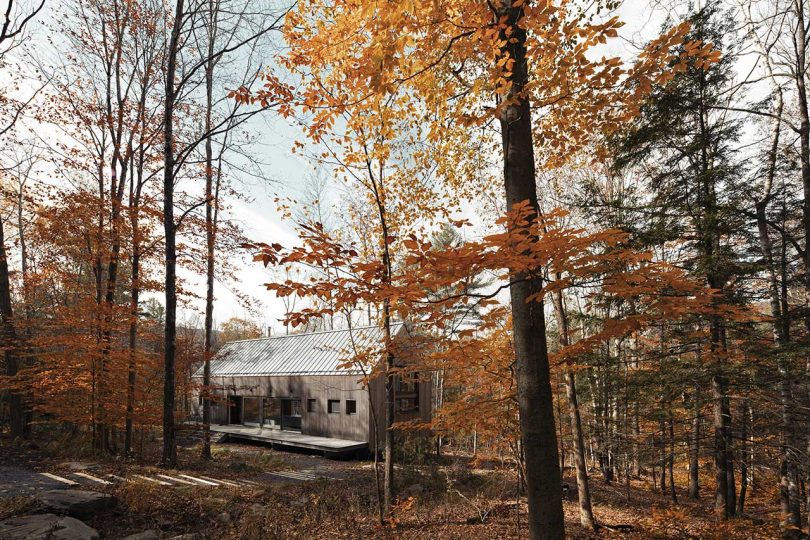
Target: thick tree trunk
pixel 169 457
pixel 538 433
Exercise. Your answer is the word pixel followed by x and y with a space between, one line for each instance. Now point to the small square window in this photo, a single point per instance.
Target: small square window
pixel 312 405
pixel 351 406
pixel 333 406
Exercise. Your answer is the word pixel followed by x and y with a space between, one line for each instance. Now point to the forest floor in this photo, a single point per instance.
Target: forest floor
pixel 253 492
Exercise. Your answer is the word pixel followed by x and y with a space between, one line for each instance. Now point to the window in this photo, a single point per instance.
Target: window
pixel 408 405
pixel 333 406
pixel 251 410
pixel 407 388
pixel 408 384
pixel 312 405
pixel 271 412
pixel 351 406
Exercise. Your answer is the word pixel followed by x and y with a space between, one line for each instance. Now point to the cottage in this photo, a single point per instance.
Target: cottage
pixel 307 390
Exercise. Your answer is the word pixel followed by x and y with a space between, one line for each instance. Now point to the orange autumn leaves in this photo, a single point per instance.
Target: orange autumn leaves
pixel 595 262
pixel 430 288
pixel 438 71
pixel 408 92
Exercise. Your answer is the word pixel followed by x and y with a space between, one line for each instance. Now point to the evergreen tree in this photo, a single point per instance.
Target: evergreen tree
pixel 683 147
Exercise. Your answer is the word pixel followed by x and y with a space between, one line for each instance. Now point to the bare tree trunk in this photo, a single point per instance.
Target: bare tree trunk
pixel 671 459
pixel 538 430
pixel 27 357
pixel 662 452
pixel 169 457
pixel 210 232
pixel 9 340
pixel 744 406
pixel 694 447
pixel 800 72
pixel 390 412
pixel 586 517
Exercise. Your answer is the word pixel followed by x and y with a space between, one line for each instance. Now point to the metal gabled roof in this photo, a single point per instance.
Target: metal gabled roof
pixel 315 353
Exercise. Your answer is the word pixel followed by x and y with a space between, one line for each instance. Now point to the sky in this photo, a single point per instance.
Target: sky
pixel 262 222
pixel 287 172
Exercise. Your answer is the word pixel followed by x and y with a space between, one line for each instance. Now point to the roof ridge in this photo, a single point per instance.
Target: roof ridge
pixel 311 333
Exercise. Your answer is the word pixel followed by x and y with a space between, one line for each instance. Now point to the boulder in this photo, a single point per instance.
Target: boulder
pixel 46 527
pixel 76 502
pixel 145 535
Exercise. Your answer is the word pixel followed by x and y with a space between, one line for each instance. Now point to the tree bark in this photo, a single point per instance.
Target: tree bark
pixel 744 452
pixel 169 457
pixel 538 431
pixel 9 340
pixel 210 234
pixel 586 517
pixel 671 459
pixel 694 448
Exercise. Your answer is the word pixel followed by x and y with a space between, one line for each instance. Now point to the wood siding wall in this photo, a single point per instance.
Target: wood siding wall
pixel 355 427
pixel 321 423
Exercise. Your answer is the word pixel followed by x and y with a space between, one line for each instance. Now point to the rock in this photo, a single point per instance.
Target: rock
pixel 224 518
pixel 46 527
pixel 145 535
pixel 79 466
pixel 76 502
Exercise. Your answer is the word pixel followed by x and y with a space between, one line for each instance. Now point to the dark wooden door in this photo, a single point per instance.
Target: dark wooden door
pixel 291 414
pixel 235 408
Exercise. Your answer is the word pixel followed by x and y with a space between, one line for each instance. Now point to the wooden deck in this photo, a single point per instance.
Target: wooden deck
pixel 293 439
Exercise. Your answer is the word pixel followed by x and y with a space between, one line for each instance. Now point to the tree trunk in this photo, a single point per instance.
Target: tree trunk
pixel 27 357
pixel 136 186
pixel 169 457
pixel 800 40
pixel 671 459
pixel 694 448
pixel 210 235
pixel 662 452
pixel 9 340
pixel 537 426
pixel 390 412
pixel 720 456
pixel 133 338
pixel 586 517
pixel 744 453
